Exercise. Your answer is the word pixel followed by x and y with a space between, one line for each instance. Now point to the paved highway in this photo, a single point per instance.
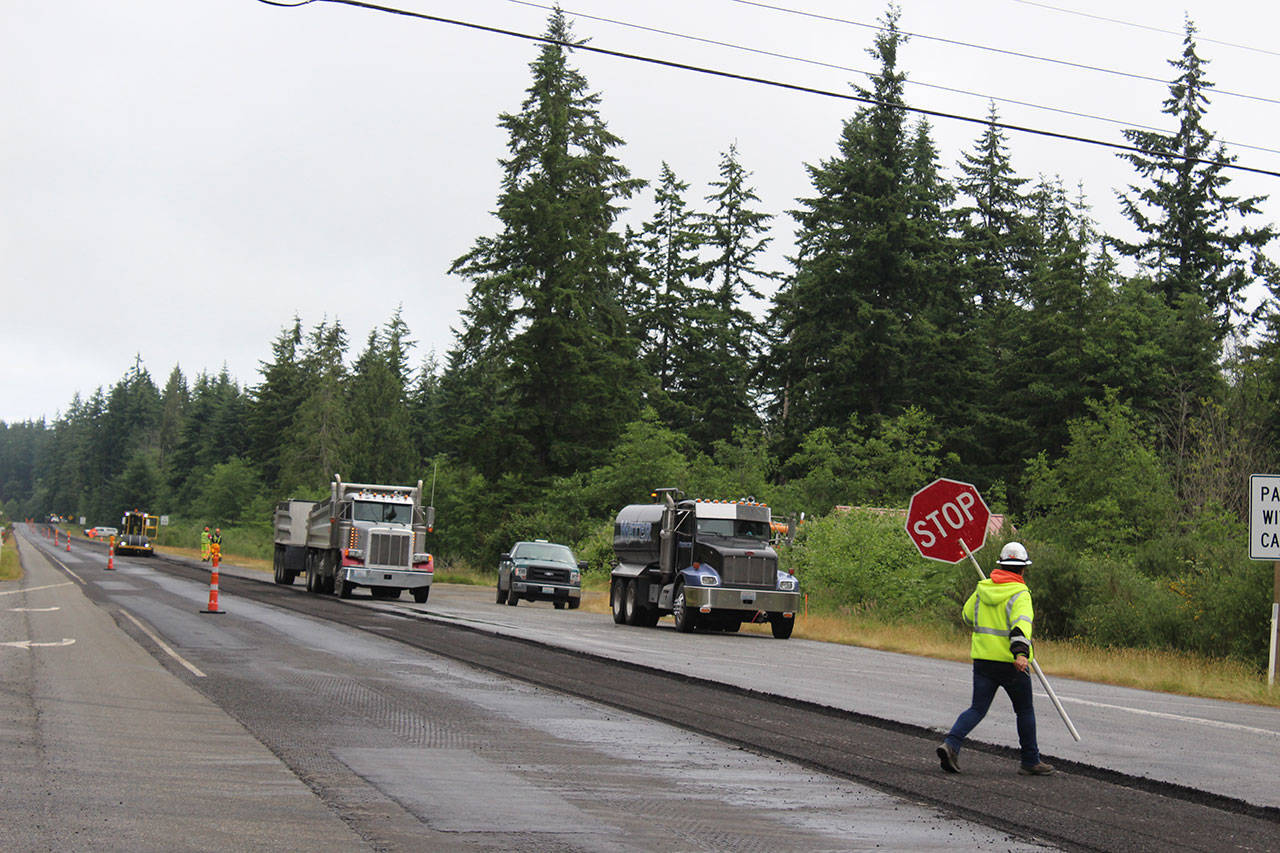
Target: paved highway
pixel 266 728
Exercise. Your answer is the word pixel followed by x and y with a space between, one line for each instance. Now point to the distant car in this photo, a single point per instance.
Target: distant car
pixel 101 532
pixel 540 571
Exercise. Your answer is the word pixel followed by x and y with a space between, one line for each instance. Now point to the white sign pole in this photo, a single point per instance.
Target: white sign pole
pixel 1044 682
pixel 1271 658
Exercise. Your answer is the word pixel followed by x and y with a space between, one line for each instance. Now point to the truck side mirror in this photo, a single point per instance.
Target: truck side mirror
pixel 505 558
pixel 582 565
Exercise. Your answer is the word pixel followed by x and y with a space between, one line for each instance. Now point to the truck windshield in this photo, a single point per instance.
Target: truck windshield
pixel 381 513
pixel 543 551
pixel 731 528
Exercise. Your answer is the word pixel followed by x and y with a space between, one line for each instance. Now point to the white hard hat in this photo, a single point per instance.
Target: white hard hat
pixel 1013 556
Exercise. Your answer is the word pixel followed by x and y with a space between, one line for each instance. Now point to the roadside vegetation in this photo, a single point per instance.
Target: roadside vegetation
pixel 1108 394
pixel 10 566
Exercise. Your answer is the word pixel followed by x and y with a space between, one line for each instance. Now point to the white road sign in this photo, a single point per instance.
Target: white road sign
pixel 1264 517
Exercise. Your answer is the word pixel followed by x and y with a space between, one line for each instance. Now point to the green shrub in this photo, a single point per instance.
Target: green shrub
pixel 864 559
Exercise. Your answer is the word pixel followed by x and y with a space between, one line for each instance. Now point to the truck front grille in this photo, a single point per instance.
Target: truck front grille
pixel 392 549
pixel 754 571
pixel 549 575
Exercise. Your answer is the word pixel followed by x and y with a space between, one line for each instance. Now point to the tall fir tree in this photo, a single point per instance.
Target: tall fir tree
pixel 275 400
pixel 1193 239
pixel 380 447
pixel 318 435
pixel 671 243
pixel 846 339
pixel 545 310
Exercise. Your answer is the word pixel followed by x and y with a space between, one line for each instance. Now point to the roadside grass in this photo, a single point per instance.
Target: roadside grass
pixel 10 565
pixel 1144 669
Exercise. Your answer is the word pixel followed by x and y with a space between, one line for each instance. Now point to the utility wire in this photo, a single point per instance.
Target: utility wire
pixel 761 52
pixel 793 87
pixel 999 50
pixel 1147 27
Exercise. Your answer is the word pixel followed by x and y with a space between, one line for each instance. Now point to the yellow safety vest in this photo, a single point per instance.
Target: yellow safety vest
pixel 993 611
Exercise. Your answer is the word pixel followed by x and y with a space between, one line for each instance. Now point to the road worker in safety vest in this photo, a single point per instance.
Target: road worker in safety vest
pixel 1001 616
pixel 204 545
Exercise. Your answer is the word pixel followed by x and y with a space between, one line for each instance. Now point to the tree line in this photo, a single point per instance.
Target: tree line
pixel 1110 394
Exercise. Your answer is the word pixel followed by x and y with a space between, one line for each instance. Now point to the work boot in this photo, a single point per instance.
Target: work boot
pixel 949 758
pixel 1040 769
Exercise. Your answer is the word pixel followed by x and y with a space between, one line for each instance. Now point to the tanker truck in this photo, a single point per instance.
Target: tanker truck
pixel 361 535
pixel 707 563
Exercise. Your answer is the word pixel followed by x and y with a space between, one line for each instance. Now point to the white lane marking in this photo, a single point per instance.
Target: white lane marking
pixel 163 645
pixel 32 644
pixel 33 609
pixel 34 588
pixel 1182 718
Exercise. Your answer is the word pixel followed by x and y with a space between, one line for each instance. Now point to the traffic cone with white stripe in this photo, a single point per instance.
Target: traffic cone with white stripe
pixel 111 555
pixel 213 587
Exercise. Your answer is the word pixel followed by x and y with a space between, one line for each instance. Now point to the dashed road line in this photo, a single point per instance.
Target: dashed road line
pixel 163 645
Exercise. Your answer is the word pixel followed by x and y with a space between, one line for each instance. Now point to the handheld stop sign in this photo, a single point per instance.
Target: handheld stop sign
pixel 948 520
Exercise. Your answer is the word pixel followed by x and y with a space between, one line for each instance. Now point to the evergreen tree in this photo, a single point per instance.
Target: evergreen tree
pixel 845 327
pixel 380 446
pixel 719 390
pixel 671 243
pixel 275 401
pixel 1192 240
pixel 545 310
pixel 314 449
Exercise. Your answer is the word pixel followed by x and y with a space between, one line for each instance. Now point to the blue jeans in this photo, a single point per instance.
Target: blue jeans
pixel 988 676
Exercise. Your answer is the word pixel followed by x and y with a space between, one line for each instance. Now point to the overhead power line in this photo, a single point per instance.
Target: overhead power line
pixel 793 87
pixel 1147 27
pixel 821 64
pixel 999 50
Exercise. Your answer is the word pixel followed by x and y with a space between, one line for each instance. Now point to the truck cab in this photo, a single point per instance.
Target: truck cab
pixel 707 563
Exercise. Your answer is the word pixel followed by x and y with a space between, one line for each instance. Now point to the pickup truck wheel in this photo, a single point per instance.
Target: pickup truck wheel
pixel 618 600
pixel 502 594
pixel 574 602
pixel 558 604
pixel 685 619
pixel 781 625
pixel 421 593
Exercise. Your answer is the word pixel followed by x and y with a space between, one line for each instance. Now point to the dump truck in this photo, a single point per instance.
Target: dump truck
pixel 707 563
pixel 361 535
pixel 137 531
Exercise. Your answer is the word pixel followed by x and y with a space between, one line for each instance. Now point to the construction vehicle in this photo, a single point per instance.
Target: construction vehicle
pixel 137 531
pixel 361 535
pixel 709 564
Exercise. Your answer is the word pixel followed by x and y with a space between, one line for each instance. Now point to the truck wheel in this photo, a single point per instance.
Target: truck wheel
pixel 313 578
pixel 618 600
pixel 558 604
pixel 512 598
pixel 421 593
pixel 636 611
pixel 574 602
pixel 502 594
pixel 685 619
pixel 277 563
pixel 344 586
pixel 781 625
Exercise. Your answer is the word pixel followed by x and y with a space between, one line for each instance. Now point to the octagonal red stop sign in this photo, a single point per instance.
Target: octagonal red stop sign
pixel 945 514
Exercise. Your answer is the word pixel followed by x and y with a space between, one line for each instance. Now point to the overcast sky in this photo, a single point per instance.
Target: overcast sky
pixel 180 179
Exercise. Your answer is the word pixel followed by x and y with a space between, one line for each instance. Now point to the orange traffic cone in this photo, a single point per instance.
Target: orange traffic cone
pixel 213 586
pixel 68 542
pixel 111 556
